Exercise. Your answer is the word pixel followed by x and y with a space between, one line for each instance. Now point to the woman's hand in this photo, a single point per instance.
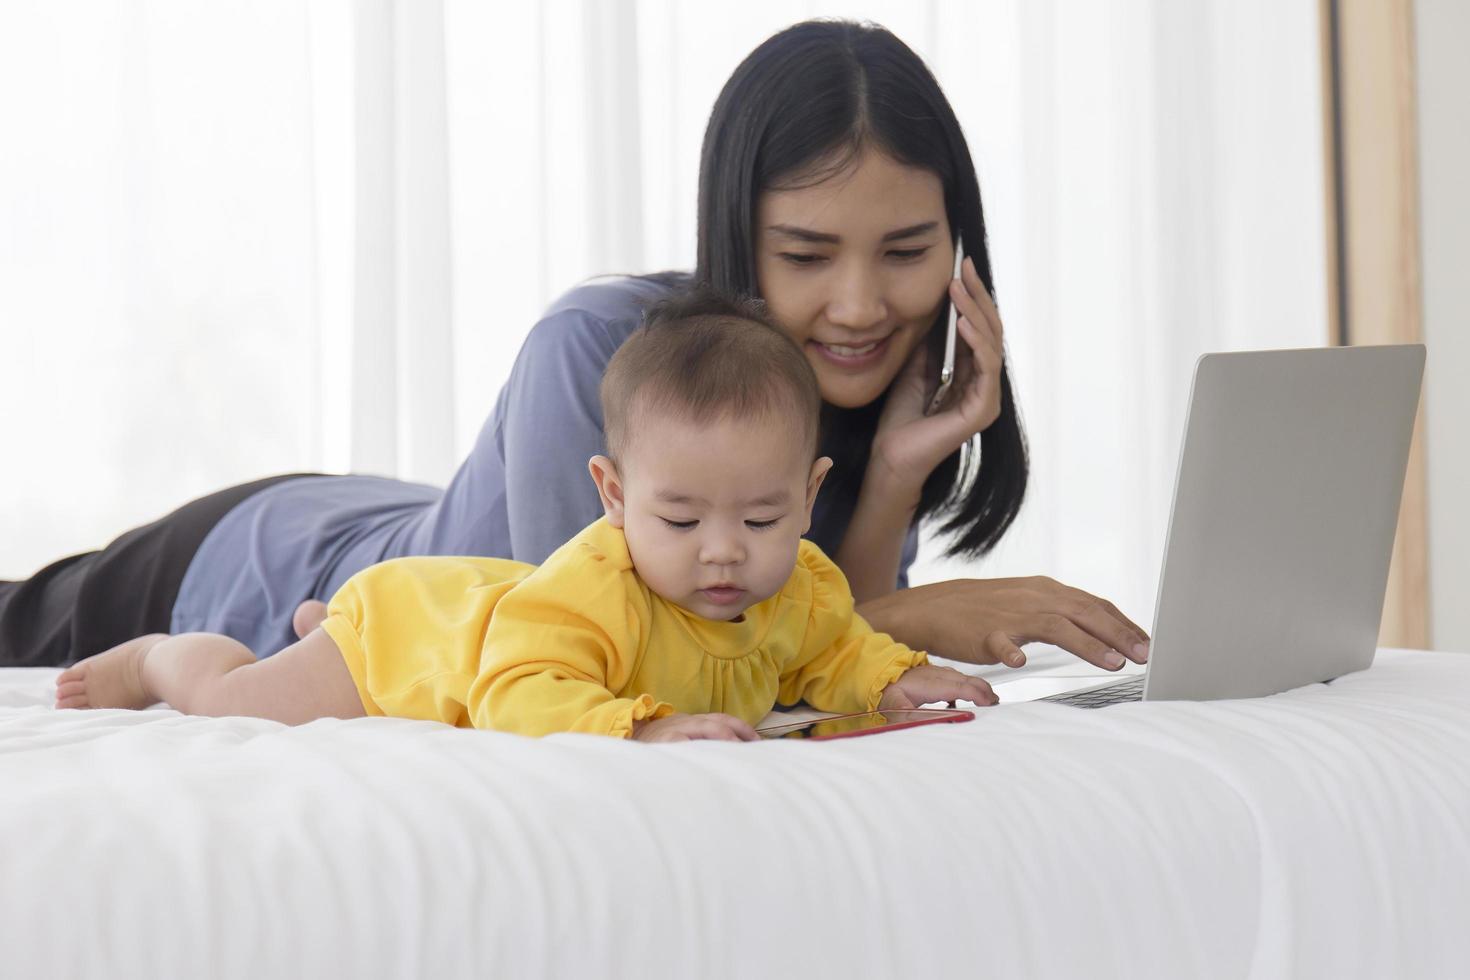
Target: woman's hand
pixel 685 728
pixel 909 444
pixel 985 621
pixel 927 683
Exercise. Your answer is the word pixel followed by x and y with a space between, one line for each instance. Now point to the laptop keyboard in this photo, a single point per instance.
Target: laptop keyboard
pixel 1129 690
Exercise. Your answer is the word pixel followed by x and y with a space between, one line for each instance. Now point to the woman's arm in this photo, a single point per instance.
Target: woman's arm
pixel 984 621
pixel 871 553
pixel 981 621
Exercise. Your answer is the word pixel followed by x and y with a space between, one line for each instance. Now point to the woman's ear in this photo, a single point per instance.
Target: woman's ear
pixel 814 483
pixel 609 488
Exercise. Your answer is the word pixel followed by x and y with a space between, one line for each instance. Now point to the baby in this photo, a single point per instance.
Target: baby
pixel 687 611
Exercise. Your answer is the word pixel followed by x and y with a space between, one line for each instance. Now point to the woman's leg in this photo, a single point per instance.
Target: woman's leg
pixel 36 613
pixel 99 599
pixel 209 674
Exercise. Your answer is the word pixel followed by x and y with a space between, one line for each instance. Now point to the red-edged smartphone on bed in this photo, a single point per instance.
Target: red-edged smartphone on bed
pixel 864 723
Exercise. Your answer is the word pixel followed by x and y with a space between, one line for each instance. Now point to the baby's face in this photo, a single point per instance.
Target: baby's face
pixel 713 514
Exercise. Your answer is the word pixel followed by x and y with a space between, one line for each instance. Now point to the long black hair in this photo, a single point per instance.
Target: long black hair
pixel 815 95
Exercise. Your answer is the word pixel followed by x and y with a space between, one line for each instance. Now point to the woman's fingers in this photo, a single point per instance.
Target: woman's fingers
pixel 980 331
pixel 1126 639
pixel 1098 626
pixel 973 303
pixel 1098 617
pixel 973 402
pixel 981 397
pixel 969 310
pixel 981 298
pixel 1058 630
pixel 1112 610
pixel 999 645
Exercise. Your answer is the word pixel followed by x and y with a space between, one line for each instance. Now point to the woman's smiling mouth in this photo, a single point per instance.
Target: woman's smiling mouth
pixel 852 356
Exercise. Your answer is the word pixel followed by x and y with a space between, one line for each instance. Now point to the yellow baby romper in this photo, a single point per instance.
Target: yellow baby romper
pixel 581 644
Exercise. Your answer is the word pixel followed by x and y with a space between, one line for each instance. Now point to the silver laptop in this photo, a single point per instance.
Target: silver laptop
pixel 1285 508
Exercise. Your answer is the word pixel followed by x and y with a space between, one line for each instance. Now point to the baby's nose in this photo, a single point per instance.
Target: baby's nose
pixel 722 551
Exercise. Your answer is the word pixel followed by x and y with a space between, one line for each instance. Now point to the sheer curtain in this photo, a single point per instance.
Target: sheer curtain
pixel 158 328
pixel 328 236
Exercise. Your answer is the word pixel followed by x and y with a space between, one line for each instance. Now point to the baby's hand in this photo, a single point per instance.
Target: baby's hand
pixel 684 728
pixel 926 683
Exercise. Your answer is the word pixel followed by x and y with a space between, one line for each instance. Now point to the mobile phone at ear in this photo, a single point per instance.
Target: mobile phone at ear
pixel 946 366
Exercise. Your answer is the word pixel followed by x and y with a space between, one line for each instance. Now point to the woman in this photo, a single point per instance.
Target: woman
pixel 833 181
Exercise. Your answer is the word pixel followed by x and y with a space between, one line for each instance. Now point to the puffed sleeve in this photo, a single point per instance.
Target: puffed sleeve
pixel 558 646
pixel 844 664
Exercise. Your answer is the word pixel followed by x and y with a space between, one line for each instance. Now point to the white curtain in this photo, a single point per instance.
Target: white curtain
pixel 321 232
pixel 158 333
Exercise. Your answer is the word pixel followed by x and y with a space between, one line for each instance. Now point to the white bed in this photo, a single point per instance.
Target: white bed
pixel 1321 833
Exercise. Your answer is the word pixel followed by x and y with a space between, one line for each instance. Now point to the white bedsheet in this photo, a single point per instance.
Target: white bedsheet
pixel 1321 833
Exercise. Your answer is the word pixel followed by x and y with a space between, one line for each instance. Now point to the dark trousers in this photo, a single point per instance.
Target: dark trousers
pixel 84 604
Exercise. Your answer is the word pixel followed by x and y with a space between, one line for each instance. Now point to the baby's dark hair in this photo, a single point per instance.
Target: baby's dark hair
pixel 703 356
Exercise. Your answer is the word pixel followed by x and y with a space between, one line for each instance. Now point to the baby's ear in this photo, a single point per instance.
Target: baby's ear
pixel 609 488
pixel 819 472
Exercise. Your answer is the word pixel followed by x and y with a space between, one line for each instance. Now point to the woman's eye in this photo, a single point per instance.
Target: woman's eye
pixel 679 525
pixel 802 258
pixel 908 254
pixel 762 525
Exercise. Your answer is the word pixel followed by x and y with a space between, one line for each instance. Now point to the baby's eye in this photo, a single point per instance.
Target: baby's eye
pixel 908 254
pixel 762 525
pixel 679 525
pixel 802 258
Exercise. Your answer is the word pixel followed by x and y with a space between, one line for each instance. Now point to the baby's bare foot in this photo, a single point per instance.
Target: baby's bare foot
pixel 111 679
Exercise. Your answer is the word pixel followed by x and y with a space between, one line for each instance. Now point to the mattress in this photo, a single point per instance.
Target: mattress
pixel 1320 832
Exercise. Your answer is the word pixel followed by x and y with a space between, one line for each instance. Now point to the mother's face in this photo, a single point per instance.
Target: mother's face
pixel 855 270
